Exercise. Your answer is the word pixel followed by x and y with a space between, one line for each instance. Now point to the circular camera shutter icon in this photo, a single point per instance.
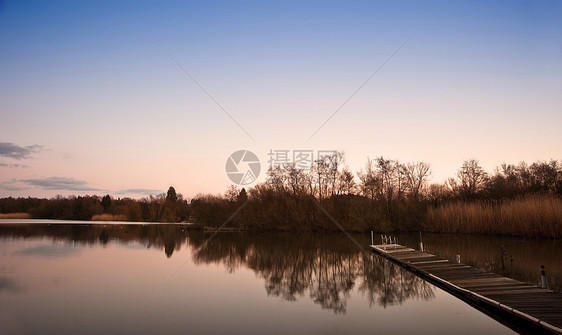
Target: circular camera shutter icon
pixel 243 167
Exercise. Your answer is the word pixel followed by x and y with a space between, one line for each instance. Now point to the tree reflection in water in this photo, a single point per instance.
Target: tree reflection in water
pixel 326 267
pixel 170 237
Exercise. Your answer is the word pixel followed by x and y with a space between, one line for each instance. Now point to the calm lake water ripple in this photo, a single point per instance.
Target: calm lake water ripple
pixel 87 278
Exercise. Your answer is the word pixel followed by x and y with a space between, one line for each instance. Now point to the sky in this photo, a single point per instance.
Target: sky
pixel 131 97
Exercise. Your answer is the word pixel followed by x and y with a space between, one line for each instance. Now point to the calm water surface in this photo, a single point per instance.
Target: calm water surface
pixel 151 279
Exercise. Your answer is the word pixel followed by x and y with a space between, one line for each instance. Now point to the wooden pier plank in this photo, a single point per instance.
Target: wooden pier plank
pixel 539 307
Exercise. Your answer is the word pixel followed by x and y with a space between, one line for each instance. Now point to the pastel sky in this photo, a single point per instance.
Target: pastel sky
pixel 90 103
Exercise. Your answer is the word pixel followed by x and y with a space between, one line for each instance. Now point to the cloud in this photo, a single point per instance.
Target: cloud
pixel 11 186
pixel 68 184
pixel 14 151
pixel 60 183
pixel 144 191
pixel 13 165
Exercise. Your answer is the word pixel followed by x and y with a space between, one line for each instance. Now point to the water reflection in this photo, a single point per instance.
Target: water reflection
pixel 50 251
pixel 162 236
pixel 9 285
pixel 325 268
pixel 513 257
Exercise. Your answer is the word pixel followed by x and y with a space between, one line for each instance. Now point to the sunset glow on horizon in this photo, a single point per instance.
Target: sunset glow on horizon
pixel 129 98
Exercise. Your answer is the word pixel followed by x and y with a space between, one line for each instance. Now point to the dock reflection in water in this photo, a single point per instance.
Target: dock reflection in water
pixel 513 257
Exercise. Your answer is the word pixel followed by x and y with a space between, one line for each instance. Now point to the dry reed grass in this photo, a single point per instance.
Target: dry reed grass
pixel 536 216
pixel 15 216
pixel 109 217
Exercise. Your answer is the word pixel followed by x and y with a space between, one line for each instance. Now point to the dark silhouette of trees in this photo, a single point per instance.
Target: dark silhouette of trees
pixel 545 176
pixel 106 203
pixel 171 196
pixel 509 180
pixel 346 182
pixel 371 183
pixel 471 179
pixel 151 209
pixel 417 175
pixel 385 195
pixel 231 193
pixel 242 196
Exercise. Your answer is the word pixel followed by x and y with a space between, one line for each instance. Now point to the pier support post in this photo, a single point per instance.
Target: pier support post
pixel 544 284
pixel 372 238
pixel 458 258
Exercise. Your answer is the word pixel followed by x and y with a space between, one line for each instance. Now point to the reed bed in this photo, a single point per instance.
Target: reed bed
pixel 536 216
pixel 15 216
pixel 109 217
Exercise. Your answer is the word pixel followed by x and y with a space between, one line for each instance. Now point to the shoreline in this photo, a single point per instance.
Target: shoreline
pixel 209 229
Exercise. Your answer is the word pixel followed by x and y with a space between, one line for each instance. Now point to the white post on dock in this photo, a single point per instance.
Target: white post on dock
pixel 544 284
pixel 372 238
pixel 458 259
pixel 421 243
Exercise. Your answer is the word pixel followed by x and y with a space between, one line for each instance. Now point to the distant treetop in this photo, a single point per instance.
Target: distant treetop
pixel 171 195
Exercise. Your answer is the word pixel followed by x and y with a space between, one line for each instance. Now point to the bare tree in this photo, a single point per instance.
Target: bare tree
pixel 401 175
pixel 417 175
pixel 231 193
pixel 471 177
pixel 326 168
pixel 345 182
pixel 371 183
pixel 276 178
pixel 295 178
pixel 388 171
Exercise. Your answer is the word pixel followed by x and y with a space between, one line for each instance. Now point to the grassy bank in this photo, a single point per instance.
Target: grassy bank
pixel 535 216
pixel 15 216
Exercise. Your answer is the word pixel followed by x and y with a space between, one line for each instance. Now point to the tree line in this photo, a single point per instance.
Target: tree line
pixel 165 207
pixel 385 195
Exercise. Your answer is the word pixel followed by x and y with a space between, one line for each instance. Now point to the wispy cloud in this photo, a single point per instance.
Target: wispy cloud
pixel 13 165
pixel 143 191
pixel 60 183
pixel 12 150
pixel 68 184
pixel 11 185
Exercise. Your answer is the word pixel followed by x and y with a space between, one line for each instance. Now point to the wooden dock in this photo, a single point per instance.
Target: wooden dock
pixel 523 307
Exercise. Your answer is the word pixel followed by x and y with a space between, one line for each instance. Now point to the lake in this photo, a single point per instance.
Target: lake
pixel 80 277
